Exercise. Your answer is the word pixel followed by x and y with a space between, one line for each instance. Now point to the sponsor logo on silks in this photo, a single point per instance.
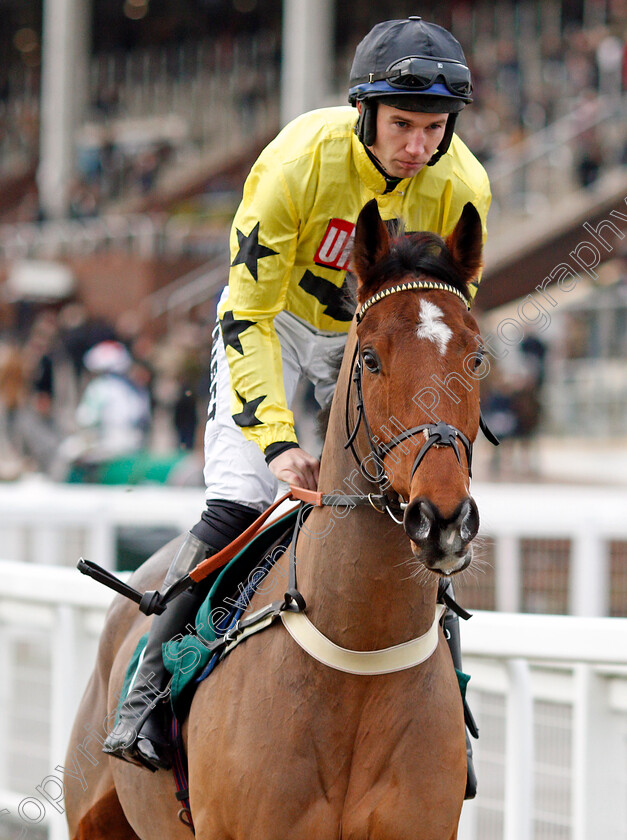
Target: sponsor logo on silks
pixel 336 246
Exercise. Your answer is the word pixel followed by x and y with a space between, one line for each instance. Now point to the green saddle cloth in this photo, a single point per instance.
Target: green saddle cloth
pixel 186 657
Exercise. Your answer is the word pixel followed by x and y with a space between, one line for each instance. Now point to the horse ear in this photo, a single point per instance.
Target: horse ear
pixel 372 244
pixel 466 243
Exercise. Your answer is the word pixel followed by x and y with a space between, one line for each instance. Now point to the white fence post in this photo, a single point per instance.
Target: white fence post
pixel 101 546
pixel 468 829
pixel 64 699
pixel 589 574
pixel 593 769
pixel 519 754
pixel 507 572
pixel 6 669
pixel 46 545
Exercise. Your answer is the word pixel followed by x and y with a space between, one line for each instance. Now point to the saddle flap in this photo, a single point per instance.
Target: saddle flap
pixel 187 657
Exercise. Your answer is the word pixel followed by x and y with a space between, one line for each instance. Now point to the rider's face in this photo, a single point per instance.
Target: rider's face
pixel 406 140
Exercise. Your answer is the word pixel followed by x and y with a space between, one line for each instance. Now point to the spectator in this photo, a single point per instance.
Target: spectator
pixel 114 412
pixel 12 395
pixel 26 387
pixel 185 416
pixel 79 333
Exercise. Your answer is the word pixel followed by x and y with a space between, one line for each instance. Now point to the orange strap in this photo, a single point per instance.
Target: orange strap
pixel 214 562
pixel 313 497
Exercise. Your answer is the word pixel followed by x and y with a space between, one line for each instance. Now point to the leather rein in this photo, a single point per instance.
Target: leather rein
pixel 398 657
pixel 292 609
pixel 436 434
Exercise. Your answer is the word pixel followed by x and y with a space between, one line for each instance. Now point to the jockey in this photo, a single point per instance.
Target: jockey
pixel 283 313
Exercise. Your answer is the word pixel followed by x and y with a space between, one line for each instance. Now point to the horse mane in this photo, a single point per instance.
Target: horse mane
pixel 416 254
pixel 335 363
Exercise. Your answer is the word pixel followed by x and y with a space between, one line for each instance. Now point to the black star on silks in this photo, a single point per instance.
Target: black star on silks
pixel 251 251
pixel 336 300
pixel 231 329
pixel 247 417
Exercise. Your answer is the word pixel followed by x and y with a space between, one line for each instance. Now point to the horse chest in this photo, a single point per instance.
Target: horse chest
pixel 310 749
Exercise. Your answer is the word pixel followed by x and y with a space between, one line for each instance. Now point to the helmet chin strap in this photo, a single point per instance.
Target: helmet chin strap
pixel 389 178
pixel 446 139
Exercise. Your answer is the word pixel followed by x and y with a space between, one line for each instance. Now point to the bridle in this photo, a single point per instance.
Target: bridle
pixel 398 657
pixel 435 434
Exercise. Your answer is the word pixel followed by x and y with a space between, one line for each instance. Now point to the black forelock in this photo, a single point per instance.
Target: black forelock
pixel 417 254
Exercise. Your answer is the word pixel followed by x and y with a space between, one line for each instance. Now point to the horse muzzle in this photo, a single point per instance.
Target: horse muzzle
pixel 442 544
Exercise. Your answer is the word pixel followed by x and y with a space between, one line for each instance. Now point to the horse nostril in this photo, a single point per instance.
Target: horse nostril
pixel 424 523
pixel 418 520
pixel 469 520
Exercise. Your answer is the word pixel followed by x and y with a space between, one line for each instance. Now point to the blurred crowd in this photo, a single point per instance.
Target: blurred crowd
pixel 85 400
pixel 149 111
pixel 522 84
pixel 82 399
pixel 518 92
pixel 512 407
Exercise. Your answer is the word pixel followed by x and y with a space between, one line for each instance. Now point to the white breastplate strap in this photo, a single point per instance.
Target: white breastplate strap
pixel 366 662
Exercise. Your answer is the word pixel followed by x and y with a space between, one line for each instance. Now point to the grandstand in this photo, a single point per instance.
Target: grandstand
pixel 149 152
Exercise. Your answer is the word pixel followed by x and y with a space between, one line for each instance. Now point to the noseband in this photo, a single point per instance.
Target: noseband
pixel 435 434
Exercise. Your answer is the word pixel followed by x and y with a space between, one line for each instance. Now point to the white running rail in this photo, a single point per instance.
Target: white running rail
pixel 55 524
pixel 549 692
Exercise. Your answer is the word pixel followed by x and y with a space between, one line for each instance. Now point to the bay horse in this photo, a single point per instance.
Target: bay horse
pixel 281 746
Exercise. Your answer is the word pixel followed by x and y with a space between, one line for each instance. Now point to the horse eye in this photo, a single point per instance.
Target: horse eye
pixel 479 358
pixel 371 361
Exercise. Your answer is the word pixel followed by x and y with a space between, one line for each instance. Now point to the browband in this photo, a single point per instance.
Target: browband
pixel 404 287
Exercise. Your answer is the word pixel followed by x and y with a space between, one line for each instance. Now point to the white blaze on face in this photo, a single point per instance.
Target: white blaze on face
pixel 431 325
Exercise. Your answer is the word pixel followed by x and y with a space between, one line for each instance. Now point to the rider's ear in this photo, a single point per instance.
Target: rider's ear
pixel 466 243
pixel 372 244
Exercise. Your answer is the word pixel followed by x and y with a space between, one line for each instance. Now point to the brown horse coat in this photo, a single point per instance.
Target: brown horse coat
pixel 280 746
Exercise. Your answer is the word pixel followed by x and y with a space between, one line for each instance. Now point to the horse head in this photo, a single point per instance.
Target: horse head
pixel 419 362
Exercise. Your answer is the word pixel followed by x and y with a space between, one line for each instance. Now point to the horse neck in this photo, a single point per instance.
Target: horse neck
pixel 351 568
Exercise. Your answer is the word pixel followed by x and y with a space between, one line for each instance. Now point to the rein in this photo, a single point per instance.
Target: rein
pixel 292 609
pixel 435 434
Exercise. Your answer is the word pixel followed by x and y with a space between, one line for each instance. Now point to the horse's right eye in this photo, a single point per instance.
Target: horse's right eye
pixel 371 361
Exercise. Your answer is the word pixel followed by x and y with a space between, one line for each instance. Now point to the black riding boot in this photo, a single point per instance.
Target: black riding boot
pixel 140 734
pixel 451 631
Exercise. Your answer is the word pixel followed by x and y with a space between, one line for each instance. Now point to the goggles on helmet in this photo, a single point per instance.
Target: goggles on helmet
pixel 417 73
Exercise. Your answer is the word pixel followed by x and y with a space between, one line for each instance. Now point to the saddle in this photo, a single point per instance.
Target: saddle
pixel 219 627
pixel 191 658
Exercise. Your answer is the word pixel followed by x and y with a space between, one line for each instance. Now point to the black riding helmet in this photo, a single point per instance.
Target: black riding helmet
pixel 412 65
